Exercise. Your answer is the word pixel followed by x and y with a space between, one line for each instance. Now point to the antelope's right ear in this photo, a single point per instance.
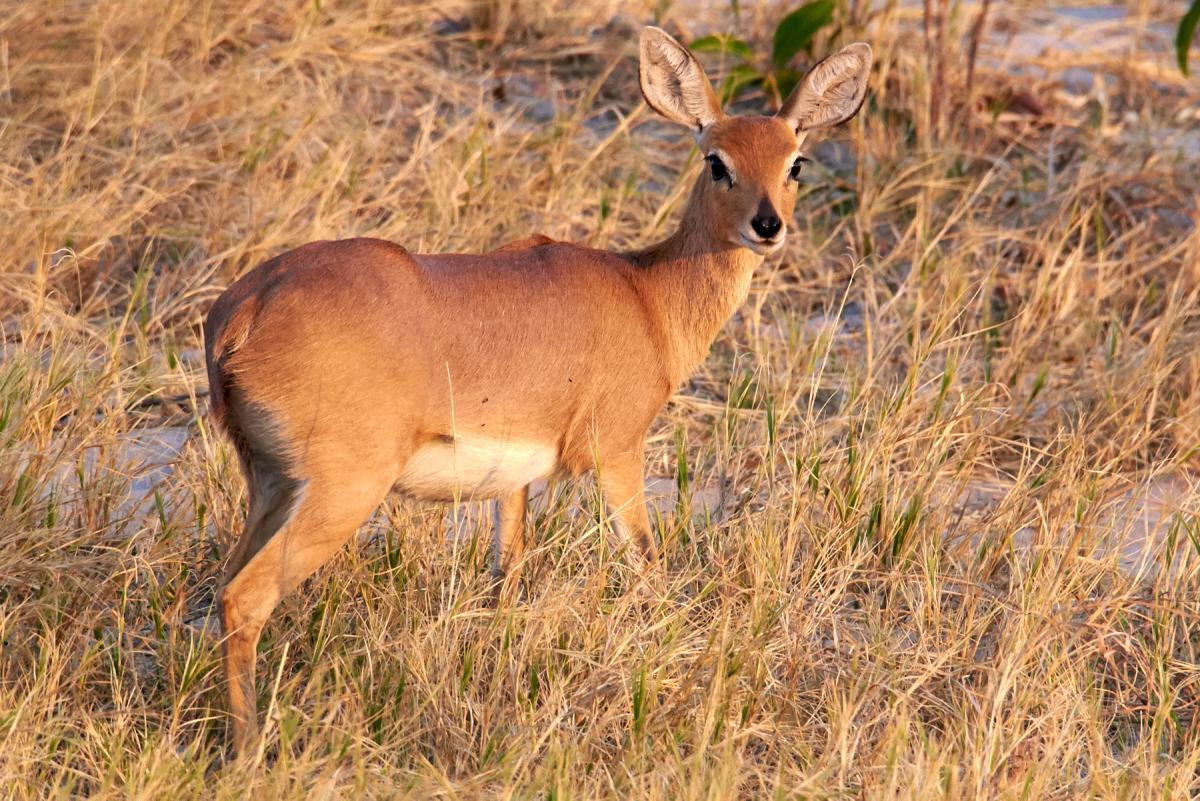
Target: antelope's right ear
pixel 674 83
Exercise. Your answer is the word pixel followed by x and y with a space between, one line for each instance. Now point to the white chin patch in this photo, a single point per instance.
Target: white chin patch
pixel 760 247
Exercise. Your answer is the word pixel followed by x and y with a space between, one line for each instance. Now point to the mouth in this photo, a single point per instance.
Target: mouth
pixel 763 247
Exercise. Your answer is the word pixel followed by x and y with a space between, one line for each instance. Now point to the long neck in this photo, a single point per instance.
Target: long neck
pixel 692 283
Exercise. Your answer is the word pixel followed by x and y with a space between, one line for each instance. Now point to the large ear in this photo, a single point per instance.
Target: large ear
pixel 832 91
pixel 674 83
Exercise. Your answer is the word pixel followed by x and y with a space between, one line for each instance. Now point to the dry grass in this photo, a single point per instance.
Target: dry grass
pixel 920 435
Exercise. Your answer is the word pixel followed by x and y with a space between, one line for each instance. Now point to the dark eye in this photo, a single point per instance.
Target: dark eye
pixel 797 165
pixel 719 171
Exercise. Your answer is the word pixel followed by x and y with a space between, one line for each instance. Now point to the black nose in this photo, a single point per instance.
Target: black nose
pixel 766 225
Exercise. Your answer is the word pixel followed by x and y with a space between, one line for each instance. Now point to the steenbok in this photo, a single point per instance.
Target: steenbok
pixel 345 370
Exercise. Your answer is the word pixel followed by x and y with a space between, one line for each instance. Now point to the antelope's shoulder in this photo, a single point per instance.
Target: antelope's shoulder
pixel 568 260
pixel 525 243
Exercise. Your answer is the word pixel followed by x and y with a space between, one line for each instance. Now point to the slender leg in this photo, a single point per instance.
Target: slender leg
pixel 508 544
pixel 623 487
pixel 322 517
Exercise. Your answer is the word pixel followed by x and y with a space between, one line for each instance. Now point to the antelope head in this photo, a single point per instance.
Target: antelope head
pixel 748 189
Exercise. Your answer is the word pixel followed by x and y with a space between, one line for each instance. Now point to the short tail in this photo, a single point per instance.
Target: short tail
pixel 225 331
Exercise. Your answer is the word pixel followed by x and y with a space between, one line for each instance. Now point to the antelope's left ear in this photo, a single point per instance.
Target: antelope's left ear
pixel 832 91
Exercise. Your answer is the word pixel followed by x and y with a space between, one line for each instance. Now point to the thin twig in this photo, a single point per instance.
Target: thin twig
pixel 977 29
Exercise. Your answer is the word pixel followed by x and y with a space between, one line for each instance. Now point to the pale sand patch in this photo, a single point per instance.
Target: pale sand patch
pixel 1131 526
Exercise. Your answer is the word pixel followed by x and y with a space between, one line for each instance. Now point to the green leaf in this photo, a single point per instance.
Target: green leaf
pixel 1185 34
pixel 785 81
pixel 796 30
pixel 722 43
pixel 738 78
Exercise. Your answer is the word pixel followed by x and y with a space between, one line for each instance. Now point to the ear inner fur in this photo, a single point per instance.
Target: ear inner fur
pixel 832 92
pixel 674 84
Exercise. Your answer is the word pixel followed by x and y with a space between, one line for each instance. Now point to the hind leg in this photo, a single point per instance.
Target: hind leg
pixel 314 522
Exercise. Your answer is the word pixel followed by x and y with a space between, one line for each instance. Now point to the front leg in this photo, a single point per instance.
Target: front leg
pixel 623 486
pixel 508 542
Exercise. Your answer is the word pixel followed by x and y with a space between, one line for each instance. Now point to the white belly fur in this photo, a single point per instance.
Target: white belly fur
pixel 475 467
